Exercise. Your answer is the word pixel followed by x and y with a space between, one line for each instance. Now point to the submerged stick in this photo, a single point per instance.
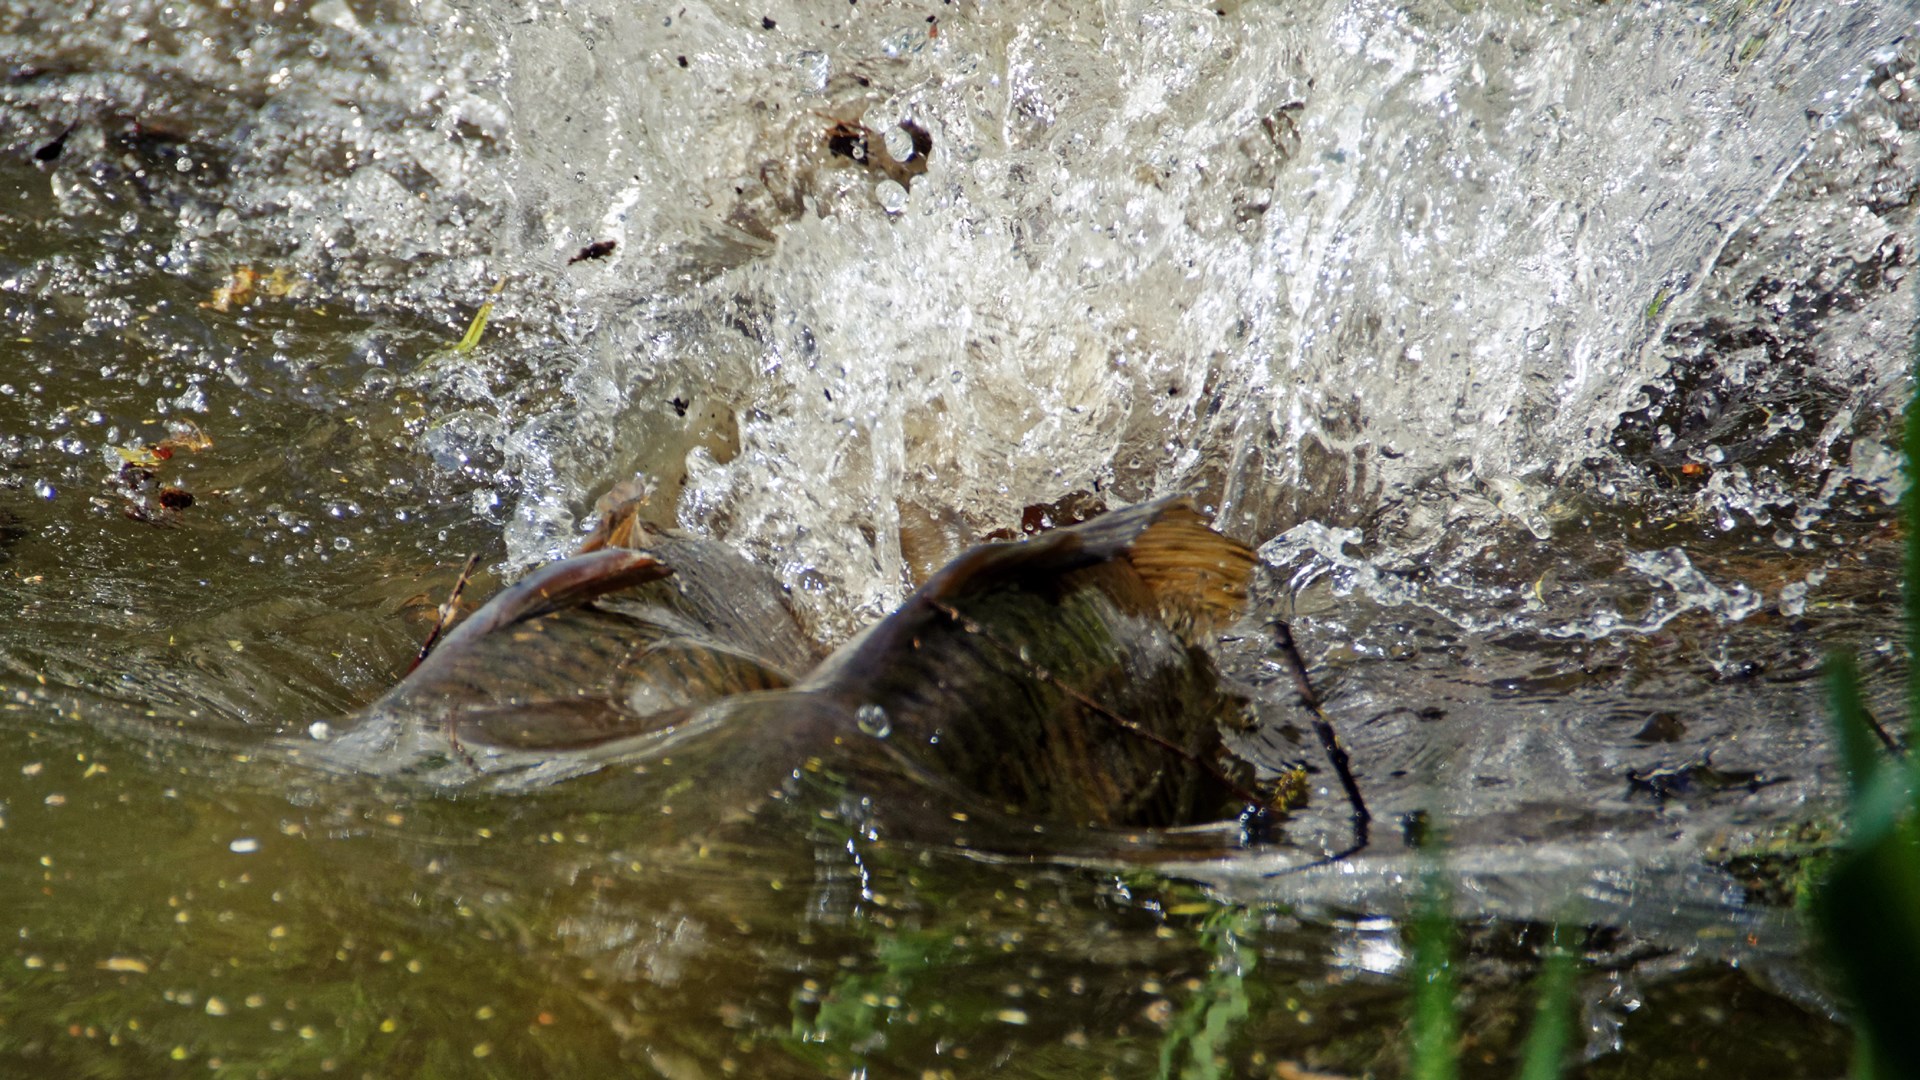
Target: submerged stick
pixel 1893 745
pixel 441 620
pixel 1330 742
pixel 444 616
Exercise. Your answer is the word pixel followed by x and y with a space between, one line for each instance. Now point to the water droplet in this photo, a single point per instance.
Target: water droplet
pixel 1793 599
pixel 899 143
pixel 873 720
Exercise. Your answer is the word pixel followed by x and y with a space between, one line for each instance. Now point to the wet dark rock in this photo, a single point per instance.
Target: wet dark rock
pixel 1695 779
pixel 1663 727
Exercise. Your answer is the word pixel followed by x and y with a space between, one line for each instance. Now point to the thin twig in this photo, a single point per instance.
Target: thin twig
pixel 1886 738
pixel 1240 791
pixel 1323 728
pixel 442 619
pixel 444 616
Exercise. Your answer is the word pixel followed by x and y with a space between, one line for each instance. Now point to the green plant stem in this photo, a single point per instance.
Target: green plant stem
pixel 1910 520
pixel 1545 1054
pixel 1435 1020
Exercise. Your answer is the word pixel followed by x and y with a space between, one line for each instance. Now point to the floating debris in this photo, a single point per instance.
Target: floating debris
pixel 52 150
pixel 136 482
pixel 478 327
pixel 245 284
pixel 900 155
pixel 599 249
pixel 185 435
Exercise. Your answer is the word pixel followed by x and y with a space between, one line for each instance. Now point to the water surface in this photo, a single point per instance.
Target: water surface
pixel 1548 353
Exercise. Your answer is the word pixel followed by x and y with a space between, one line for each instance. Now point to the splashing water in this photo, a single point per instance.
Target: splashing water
pixel 1549 354
pixel 1358 263
pixel 1407 269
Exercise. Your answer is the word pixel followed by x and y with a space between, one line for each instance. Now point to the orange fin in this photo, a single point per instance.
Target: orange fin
pixel 1199 576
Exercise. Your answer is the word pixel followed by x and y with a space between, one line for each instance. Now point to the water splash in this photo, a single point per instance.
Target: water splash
pixel 1304 261
pixel 868 285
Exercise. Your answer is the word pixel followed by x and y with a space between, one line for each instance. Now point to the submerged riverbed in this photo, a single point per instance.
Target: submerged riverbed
pixel 1548 354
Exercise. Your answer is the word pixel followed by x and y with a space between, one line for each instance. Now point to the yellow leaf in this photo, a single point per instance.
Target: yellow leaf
pixel 478 326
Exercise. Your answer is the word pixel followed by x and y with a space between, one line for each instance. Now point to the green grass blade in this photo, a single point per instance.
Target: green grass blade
pixel 1868 912
pixel 1545 1055
pixel 1436 1023
pixel 1868 908
pixel 1205 1028
pixel 476 330
pixel 1863 1067
pixel 1910 516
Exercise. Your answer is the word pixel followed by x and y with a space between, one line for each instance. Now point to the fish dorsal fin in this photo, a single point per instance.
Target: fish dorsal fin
pixel 620 526
pixel 1199 577
pixel 555 587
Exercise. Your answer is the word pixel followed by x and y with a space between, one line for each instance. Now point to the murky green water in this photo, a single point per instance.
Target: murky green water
pixel 1575 615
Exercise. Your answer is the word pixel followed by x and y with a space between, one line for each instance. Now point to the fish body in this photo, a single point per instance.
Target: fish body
pixel 1060 679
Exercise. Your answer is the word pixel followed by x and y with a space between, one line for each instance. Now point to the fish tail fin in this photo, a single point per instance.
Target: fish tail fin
pixel 1198 576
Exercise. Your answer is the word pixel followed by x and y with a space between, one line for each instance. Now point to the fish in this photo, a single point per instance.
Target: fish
pixel 1063 680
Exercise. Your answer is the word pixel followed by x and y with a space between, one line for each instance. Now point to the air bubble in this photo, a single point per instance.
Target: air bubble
pixel 1793 599
pixel 873 720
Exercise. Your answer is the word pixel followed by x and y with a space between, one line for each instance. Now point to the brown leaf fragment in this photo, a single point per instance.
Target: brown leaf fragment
pixel 236 290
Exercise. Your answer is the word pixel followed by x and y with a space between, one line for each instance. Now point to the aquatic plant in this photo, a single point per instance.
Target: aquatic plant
pixel 1868 907
pixel 1200 1032
pixel 1434 1030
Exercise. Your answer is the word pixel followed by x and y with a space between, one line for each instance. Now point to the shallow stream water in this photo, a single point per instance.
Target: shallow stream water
pixel 1547 353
